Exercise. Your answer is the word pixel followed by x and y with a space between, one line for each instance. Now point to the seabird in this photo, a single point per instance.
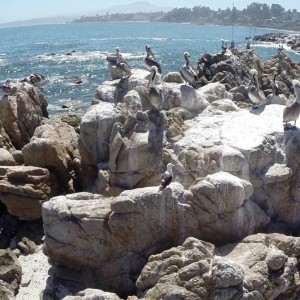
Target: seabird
pixel 291 112
pixel 155 95
pixel 166 177
pixel 275 86
pixel 120 66
pixel 187 73
pixel 149 62
pixel 256 95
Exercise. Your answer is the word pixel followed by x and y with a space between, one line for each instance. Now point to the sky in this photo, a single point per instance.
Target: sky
pixel 18 10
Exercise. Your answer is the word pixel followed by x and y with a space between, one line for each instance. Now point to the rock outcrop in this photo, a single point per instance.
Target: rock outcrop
pixel 23 190
pixel 21 111
pixel 259 267
pixel 10 274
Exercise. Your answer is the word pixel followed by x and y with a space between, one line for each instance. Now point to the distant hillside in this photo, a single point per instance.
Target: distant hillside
pixel 135 7
pixel 39 21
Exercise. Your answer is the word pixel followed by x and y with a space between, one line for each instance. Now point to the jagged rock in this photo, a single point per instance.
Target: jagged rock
pixel 174 77
pixel 53 146
pixel 22 112
pixel 129 147
pixel 10 274
pixel 133 225
pixel 224 212
pixel 105 91
pixel 259 142
pixel 95 132
pixel 238 271
pixel 23 189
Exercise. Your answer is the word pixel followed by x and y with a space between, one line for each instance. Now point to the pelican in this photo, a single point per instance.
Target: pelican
pixel 291 112
pixel 166 177
pixel 256 95
pixel 275 86
pixel 118 66
pixel 187 73
pixel 155 96
pixel 149 62
pixel 122 67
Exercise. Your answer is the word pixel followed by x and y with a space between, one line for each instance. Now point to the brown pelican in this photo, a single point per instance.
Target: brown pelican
pixel 166 177
pixel 118 66
pixel 291 112
pixel 121 67
pixel 187 73
pixel 275 86
pixel 155 95
pixel 149 62
pixel 256 95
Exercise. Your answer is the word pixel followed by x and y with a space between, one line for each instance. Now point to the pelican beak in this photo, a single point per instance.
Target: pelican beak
pixel 152 54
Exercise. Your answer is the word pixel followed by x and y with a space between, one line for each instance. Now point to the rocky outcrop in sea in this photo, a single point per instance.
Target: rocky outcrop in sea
pixel 88 193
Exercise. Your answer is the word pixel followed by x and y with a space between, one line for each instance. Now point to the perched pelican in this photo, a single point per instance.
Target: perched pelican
pixel 118 66
pixel 187 73
pixel 256 95
pixel 291 112
pixel 121 66
pixel 275 86
pixel 149 62
pixel 276 97
pixel 155 96
pixel 166 177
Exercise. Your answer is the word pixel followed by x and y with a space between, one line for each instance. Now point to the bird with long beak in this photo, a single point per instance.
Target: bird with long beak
pixel 255 94
pixel 291 112
pixel 150 60
pixel 155 95
pixel 187 73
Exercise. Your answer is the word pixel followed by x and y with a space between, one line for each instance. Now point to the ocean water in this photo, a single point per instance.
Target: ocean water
pixel 65 52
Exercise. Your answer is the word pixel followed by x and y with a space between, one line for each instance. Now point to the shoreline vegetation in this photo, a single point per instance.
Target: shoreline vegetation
pixel 256 15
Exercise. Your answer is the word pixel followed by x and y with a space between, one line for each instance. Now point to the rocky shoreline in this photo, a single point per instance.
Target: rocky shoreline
pixel 282 39
pixel 82 216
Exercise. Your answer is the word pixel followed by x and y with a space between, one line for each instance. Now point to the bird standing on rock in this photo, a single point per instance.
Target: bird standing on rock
pixel 149 62
pixel 155 96
pixel 187 73
pixel 166 177
pixel 291 112
pixel 118 66
pixel 255 94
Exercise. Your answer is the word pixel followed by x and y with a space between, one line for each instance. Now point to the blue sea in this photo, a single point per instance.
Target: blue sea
pixel 65 52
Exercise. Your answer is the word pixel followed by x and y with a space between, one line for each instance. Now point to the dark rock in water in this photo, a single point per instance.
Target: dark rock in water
pixel 34 78
pixel 77 80
pixel 64 106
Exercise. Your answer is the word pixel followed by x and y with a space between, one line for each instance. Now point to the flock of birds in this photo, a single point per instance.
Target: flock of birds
pixel 290 113
pixel 256 95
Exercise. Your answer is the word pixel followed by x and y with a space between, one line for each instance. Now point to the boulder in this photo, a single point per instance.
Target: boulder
pixel 53 146
pixel 223 209
pixel 93 294
pixel 123 230
pixel 198 270
pixel 24 189
pixel 246 144
pixel 10 274
pixel 6 158
pixel 21 112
